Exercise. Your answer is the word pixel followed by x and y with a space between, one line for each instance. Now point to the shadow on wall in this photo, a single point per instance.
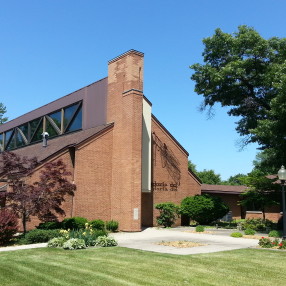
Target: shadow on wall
pixel 168 159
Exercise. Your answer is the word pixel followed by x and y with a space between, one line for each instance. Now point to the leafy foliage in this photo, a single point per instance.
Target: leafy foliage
pixel 74 243
pixel 168 214
pixel 274 233
pixel 57 242
pixel 112 225
pixel 50 225
pixel 97 224
pixel 257 224
pixel 42 198
pixel 8 226
pixel 76 222
pixel 209 177
pixel 200 228
pixel 105 241
pixel 2 112
pixel 249 231
pixel 247 73
pixel 262 192
pixel 39 236
pixel 203 208
pixel 236 234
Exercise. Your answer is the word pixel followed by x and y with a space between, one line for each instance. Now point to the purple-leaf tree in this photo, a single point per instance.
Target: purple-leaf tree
pixel 42 198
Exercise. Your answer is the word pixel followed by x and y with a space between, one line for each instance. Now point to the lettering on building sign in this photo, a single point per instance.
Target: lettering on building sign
pixel 164 186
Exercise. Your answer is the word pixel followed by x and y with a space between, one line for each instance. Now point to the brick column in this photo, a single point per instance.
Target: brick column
pixel 124 108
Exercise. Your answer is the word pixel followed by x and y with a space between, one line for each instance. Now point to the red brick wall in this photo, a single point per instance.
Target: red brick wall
pixel 93 176
pixel 169 167
pixel 124 108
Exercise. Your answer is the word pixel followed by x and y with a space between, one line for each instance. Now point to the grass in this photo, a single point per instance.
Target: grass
pixel 122 266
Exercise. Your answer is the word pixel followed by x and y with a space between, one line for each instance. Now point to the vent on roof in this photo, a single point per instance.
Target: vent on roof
pixel 45 138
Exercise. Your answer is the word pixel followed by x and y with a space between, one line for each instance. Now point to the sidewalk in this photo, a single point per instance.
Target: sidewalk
pixel 148 239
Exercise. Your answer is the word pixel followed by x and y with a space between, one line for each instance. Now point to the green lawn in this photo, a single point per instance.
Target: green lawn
pixel 122 266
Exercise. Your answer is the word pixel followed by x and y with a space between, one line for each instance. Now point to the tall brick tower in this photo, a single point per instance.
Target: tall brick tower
pixel 125 108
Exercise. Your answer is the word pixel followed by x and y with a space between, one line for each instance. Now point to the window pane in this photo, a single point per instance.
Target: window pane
pixel 56 118
pixel 50 129
pixel 1 141
pixel 76 123
pixel 20 140
pixel 11 144
pixel 8 136
pixel 68 114
pixel 34 125
pixel 38 134
pixel 25 129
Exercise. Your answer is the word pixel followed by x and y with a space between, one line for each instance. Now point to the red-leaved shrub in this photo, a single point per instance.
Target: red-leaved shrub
pixel 8 226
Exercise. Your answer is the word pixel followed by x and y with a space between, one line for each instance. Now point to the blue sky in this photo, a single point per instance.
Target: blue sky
pixel 51 48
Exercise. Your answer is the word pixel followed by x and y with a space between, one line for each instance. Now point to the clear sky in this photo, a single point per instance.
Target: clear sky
pixel 50 48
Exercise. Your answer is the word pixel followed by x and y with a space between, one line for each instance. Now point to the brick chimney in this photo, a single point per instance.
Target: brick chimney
pixel 125 108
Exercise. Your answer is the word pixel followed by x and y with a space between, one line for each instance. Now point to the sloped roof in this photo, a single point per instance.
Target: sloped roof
pixel 223 189
pixel 58 144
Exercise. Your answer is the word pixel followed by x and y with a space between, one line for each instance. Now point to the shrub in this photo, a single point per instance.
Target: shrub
pixel 88 236
pixel 265 242
pixel 74 243
pixel 57 242
pixel 274 233
pixel 204 208
pixel 8 226
pixel 112 225
pixel 50 225
pixel 249 231
pixel 168 214
pixel 74 222
pixel 257 224
pixel 97 224
pixel 236 234
pixel 105 241
pixel 282 244
pixel 40 235
pixel 200 228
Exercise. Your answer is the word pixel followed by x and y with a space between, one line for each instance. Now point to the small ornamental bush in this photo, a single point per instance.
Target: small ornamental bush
pixel 74 223
pixel 249 231
pixel 74 243
pixel 105 241
pixel 257 224
pixel 112 225
pixel 88 235
pixel 97 224
pixel 265 242
pixel 203 208
pixel 57 242
pixel 8 226
pixel 200 228
pixel 274 233
pixel 50 225
pixel 282 244
pixel 40 235
pixel 168 214
pixel 236 234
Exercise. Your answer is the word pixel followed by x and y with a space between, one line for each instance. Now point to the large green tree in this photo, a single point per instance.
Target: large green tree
pixel 262 192
pixel 2 112
pixel 245 72
pixel 209 177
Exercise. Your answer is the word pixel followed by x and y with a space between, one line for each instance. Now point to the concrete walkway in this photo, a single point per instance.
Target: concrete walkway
pixel 148 239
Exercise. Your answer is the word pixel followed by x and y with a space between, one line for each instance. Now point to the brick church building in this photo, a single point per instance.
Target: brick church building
pixel 122 159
